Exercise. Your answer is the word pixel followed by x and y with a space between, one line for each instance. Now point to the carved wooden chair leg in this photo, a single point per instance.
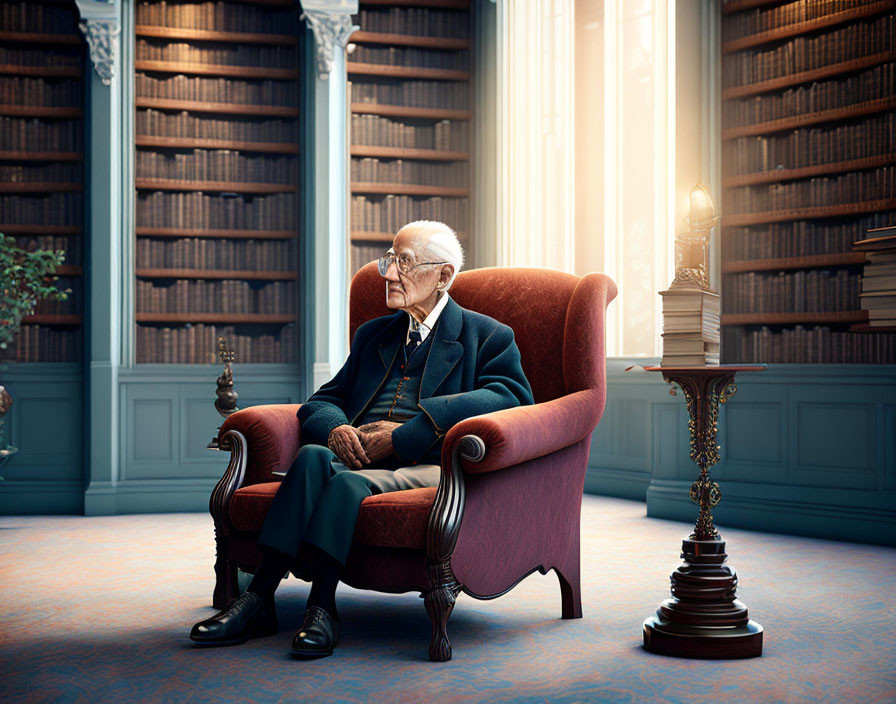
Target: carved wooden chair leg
pixel 226 581
pixel 439 605
pixel 570 589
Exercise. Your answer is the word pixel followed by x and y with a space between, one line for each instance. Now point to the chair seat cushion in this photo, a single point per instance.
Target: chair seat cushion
pixel 393 520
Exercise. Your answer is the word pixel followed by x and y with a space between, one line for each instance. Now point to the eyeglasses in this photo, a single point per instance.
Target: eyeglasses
pixel 402 261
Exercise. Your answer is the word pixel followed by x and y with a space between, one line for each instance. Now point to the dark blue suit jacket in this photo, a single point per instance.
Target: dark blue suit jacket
pixel 473 367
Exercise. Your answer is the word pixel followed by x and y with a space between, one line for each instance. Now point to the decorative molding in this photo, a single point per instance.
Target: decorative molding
pixel 332 28
pixel 102 38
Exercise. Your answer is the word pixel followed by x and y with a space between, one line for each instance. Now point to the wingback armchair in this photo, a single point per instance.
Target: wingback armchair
pixel 510 495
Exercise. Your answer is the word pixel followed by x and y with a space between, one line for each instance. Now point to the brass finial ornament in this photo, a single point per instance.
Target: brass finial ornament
pixel 225 403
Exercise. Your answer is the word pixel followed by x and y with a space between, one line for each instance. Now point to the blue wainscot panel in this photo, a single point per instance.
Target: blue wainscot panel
pixel 46 424
pixel 808 450
pixel 168 419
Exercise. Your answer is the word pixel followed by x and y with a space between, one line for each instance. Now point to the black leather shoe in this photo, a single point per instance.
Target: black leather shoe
pixel 247 617
pixel 317 635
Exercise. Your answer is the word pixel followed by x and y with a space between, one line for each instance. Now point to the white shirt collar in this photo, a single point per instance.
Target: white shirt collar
pixel 429 323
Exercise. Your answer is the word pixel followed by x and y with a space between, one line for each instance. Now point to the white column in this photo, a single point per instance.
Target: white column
pixel 330 21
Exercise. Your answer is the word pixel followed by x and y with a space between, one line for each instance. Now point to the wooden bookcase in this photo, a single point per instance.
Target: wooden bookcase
pixel 42 63
pixel 411 95
pixel 217 135
pixel 808 163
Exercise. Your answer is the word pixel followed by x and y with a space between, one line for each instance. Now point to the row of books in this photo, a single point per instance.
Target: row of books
pixel 446 135
pixel 364 252
pixel 38 17
pixel 799 238
pixel 217 90
pixel 35 134
pixel 195 209
pixel 216 254
pixel 416 21
pixel 808 146
pixel 879 276
pixel 57 171
pixel 220 16
pixel 816 290
pixel 391 212
pixel 846 188
pixel 218 54
pixel 184 124
pixel 199 296
pixel 417 58
pixel 197 344
pixel 18 90
pixel 72 304
pixel 451 95
pixel 807 345
pixel 690 327
pixel 434 173
pixel 69 244
pixel 823 95
pixel 53 209
pixel 763 19
pixel 13 55
pixel 216 165
pixel 34 343
pixel 804 53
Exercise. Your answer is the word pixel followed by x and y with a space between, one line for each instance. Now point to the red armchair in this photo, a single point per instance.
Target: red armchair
pixel 510 496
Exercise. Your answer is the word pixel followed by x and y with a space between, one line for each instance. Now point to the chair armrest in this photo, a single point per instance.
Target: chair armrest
pixel 272 437
pixel 516 435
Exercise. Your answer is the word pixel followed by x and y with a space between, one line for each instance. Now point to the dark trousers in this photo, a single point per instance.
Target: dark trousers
pixel 319 499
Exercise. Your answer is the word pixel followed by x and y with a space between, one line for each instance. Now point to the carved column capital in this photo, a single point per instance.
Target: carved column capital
pixel 102 38
pixel 331 32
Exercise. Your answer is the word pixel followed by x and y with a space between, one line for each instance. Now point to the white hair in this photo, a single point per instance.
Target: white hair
pixel 443 244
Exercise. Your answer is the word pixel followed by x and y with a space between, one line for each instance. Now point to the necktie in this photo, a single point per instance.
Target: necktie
pixel 413 340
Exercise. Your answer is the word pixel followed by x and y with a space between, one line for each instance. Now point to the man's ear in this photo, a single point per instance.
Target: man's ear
pixel 445 275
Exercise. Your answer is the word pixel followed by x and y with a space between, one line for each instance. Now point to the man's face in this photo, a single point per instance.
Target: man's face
pixel 417 288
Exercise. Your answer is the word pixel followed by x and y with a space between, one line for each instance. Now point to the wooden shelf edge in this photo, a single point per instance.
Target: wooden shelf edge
pixel 40 187
pixel 407 153
pixel 40 156
pixel 40 111
pixel 443 4
pixel 226 108
pixel 361 37
pixel 213 35
pixel 20 229
pixel 788 123
pixel 406 111
pixel 807 26
pixel 52 319
pixel 207 143
pixel 362 236
pixel 801 172
pixel 240 274
pixel 408 189
pixel 793 79
pixel 200 69
pixel 802 318
pixel 226 318
pixel 388 71
pixel 40 38
pixel 41 71
pixel 164 184
pixel 867 327
pixel 831 211
pixel 69 270
pixel 805 262
pixel 214 233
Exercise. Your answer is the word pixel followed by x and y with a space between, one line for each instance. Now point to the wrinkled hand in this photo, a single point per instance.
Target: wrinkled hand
pixel 376 438
pixel 345 443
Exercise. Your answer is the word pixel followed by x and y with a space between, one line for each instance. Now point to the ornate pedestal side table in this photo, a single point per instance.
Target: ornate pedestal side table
pixel 704 618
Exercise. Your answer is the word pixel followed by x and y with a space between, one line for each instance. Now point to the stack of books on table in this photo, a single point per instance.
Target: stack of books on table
pixel 690 327
pixel 878 294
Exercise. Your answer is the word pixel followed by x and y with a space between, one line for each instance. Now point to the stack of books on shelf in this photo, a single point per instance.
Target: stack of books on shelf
pixel 879 276
pixel 690 327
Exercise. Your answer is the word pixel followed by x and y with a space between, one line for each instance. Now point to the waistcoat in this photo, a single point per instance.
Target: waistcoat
pixel 398 396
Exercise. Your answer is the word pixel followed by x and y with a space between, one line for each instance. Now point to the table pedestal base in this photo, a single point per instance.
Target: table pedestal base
pixel 703 619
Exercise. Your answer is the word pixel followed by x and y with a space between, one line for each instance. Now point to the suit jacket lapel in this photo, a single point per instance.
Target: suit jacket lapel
pixel 445 351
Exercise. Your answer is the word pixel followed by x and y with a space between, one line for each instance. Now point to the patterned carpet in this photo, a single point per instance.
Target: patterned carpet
pixel 98 610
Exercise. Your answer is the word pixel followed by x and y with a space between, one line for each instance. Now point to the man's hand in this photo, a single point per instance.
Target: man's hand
pixel 345 443
pixel 377 438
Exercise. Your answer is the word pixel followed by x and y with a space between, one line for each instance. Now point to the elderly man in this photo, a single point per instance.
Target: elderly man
pixel 376 427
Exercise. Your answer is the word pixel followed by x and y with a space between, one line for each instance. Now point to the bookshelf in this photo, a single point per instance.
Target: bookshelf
pixel 217 169
pixel 42 64
pixel 411 92
pixel 808 164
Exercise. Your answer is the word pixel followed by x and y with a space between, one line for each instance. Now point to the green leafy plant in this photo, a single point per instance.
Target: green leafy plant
pixel 26 278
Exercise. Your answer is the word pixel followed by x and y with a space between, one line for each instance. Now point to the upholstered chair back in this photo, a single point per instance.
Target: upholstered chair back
pixel 558 327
